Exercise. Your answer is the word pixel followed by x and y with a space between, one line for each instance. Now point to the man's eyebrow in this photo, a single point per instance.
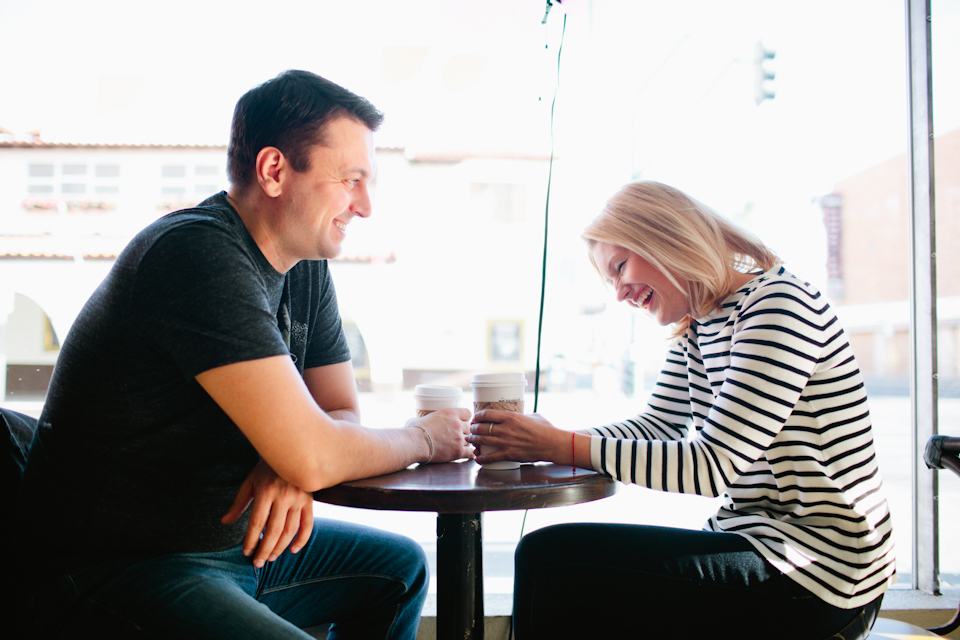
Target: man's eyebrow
pixel 364 173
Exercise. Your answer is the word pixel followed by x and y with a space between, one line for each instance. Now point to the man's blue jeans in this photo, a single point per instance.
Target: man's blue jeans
pixel 368 583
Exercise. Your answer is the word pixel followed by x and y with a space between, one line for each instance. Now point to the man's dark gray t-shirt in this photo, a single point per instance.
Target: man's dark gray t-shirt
pixel 132 457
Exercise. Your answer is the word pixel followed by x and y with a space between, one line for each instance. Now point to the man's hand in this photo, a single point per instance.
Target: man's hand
pixel 280 510
pixel 447 429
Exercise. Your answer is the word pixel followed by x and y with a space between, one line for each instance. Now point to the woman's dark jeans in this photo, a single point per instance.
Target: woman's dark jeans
pixel 631 581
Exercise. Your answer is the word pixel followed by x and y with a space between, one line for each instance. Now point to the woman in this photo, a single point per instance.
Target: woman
pixel 760 400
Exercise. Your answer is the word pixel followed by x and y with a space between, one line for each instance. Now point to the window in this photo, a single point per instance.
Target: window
pixel 506 343
pixel 107 171
pixel 40 188
pixel 207 170
pixel 40 171
pixel 50 340
pixel 173 171
pixel 73 187
pixel 173 191
pixel 74 170
pixel 106 189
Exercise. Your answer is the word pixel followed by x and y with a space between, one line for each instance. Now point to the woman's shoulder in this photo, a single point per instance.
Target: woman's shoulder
pixel 781 292
pixel 779 282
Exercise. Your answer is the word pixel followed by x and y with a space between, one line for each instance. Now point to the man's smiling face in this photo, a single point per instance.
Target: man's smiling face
pixel 321 201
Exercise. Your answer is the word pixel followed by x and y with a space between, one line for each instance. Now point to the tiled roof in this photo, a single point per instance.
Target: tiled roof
pixel 42 144
pixel 445 156
pixel 50 247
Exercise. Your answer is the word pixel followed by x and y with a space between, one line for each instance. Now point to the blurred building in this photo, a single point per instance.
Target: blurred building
pixel 868 229
pixel 441 283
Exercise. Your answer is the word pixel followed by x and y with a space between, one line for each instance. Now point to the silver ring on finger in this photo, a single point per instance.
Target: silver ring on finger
pixel 490 432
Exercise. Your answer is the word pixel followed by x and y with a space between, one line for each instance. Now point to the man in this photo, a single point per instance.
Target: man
pixel 210 370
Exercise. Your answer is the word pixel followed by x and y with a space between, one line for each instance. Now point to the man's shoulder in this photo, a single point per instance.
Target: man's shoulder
pixel 202 228
pixel 213 213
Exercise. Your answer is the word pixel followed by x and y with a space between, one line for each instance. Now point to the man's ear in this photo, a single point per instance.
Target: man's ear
pixel 271 163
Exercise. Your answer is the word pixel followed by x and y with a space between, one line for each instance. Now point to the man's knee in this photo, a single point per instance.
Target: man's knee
pixel 411 554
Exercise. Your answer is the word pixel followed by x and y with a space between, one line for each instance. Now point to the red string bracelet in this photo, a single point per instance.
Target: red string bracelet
pixel 573 450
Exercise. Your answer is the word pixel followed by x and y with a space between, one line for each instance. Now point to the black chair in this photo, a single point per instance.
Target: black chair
pixel 942 452
pixel 19 430
pixel 18 434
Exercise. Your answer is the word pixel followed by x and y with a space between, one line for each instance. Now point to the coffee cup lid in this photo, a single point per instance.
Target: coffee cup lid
pixel 437 391
pixel 503 378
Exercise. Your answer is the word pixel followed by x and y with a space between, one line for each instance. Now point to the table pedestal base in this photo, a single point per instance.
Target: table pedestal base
pixel 460 492
pixel 459 576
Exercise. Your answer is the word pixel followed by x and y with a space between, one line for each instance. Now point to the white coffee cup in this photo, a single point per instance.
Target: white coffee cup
pixel 504 391
pixel 430 397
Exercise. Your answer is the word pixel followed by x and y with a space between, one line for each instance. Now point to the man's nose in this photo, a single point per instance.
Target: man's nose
pixel 362 205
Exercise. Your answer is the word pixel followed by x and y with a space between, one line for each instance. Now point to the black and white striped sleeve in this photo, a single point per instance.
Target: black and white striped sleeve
pixel 764 364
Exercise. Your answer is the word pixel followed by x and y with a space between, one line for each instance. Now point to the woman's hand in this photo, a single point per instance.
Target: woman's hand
pixel 519 437
pixel 280 511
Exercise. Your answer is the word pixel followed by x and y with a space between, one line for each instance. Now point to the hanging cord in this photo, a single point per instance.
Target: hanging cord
pixel 543 273
pixel 546 219
pixel 513 611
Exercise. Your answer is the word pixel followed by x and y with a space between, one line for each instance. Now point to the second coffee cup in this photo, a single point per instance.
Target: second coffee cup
pixel 503 391
pixel 430 397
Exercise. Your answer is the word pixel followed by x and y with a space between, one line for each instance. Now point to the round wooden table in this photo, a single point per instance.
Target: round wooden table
pixel 459 492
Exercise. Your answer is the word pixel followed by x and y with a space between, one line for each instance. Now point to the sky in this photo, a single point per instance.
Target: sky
pixel 647 89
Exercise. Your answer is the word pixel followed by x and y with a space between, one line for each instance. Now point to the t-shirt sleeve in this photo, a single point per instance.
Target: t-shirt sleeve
pixel 327 343
pixel 200 297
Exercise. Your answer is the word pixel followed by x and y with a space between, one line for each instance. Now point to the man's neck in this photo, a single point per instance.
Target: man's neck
pixel 257 214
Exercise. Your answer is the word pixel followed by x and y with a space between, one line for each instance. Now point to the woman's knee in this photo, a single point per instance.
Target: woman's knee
pixel 550 541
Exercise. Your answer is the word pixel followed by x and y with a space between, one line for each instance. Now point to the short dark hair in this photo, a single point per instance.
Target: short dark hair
pixel 289 112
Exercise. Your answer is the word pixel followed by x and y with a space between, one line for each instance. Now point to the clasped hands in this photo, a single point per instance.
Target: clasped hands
pixel 283 513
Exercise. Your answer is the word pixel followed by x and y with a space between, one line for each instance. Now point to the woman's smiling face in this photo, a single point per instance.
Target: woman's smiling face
pixel 640 284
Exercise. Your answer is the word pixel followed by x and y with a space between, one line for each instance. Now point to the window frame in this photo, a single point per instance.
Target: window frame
pixel 924 397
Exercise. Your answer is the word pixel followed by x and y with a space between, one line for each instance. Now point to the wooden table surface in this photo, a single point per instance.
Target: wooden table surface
pixel 466 487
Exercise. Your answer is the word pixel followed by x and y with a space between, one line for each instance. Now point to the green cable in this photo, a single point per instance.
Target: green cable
pixel 546 225
pixel 543 273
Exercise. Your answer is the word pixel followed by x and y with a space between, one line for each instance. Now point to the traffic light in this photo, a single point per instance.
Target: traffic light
pixel 761 90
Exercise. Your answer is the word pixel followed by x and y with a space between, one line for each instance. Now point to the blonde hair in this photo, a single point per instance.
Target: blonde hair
pixel 690 243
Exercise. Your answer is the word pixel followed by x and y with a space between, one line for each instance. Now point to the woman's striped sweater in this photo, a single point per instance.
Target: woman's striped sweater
pixel 780 428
